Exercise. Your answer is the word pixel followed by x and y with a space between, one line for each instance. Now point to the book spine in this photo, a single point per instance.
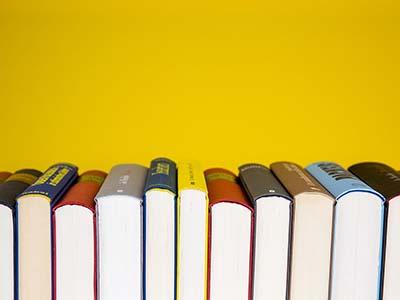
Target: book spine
pixel 126 180
pixel 54 182
pixel 296 179
pixel 4 176
pixel 378 176
pixel 223 186
pixel 191 177
pixel 258 181
pixel 162 175
pixel 337 180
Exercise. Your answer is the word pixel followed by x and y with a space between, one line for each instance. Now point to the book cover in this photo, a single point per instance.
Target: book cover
pixel 120 228
pixel 386 181
pixel 273 210
pixel 337 180
pixel 54 182
pixel 359 229
pixel 162 175
pixel 4 176
pixel 9 190
pixel 223 186
pixel 160 188
pixel 259 181
pixel 296 179
pixel 34 230
pixel 82 193
pixel 312 228
pixel 124 180
pixel 378 176
pixel 16 184
pixel 191 177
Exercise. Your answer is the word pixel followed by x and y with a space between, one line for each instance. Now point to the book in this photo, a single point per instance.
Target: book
pixel 4 176
pixel 74 223
pixel 311 232
pixel 160 230
pixel 386 181
pixel 119 208
pixel 192 233
pixel 9 190
pixel 231 223
pixel 272 205
pixel 358 233
pixel 34 230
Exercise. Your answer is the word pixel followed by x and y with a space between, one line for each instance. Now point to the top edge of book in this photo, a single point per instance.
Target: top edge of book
pixel 15 184
pixel 296 179
pixel 53 183
pixel 337 180
pixel 191 177
pixel 124 180
pixel 259 182
pixel 83 192
pixel 381 177
pixel 162 175
pixel 223 187
pixel 4 175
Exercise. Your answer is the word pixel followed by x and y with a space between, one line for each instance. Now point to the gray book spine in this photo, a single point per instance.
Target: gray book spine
pixel 125 180
pixel 258 181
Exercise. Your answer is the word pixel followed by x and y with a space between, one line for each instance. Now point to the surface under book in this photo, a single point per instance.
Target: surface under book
pixel 358 233
pixel 119 228
pixel 160 226
pixel 74 240
pixel 230 237
pixel 9 190
pixel 272 230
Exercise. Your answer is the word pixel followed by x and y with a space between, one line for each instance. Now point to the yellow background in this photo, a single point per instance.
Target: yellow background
pixel 224 82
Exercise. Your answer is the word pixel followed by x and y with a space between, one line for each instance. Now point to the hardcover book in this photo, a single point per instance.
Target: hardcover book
pixel 386 181
pixel 119 207
pixel 160 230
pixel 358 233
pixel 4 176
pixel 34 230
pixel 230 255
pixel 272 206
pixel 9 190
pixel 311 234
pixel 192 233
pixel 74 223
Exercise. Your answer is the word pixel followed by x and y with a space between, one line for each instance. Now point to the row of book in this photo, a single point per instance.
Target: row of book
pixel 175 232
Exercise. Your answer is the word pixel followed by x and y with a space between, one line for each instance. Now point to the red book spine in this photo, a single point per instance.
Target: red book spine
pixel 82 193
pixel 223 186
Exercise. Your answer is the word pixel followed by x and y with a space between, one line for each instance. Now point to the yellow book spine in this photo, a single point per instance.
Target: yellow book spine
pixel 191 176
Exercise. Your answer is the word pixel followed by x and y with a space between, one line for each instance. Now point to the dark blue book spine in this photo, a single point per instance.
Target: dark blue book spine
pixel 54 182
pixel 162 175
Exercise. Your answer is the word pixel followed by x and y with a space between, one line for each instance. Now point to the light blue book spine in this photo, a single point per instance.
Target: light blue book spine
pixel 339 182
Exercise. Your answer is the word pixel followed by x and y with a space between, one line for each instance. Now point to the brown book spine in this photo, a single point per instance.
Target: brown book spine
pixel 296 179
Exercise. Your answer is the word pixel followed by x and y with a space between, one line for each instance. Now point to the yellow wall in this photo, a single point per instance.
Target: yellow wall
pixel 224 82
